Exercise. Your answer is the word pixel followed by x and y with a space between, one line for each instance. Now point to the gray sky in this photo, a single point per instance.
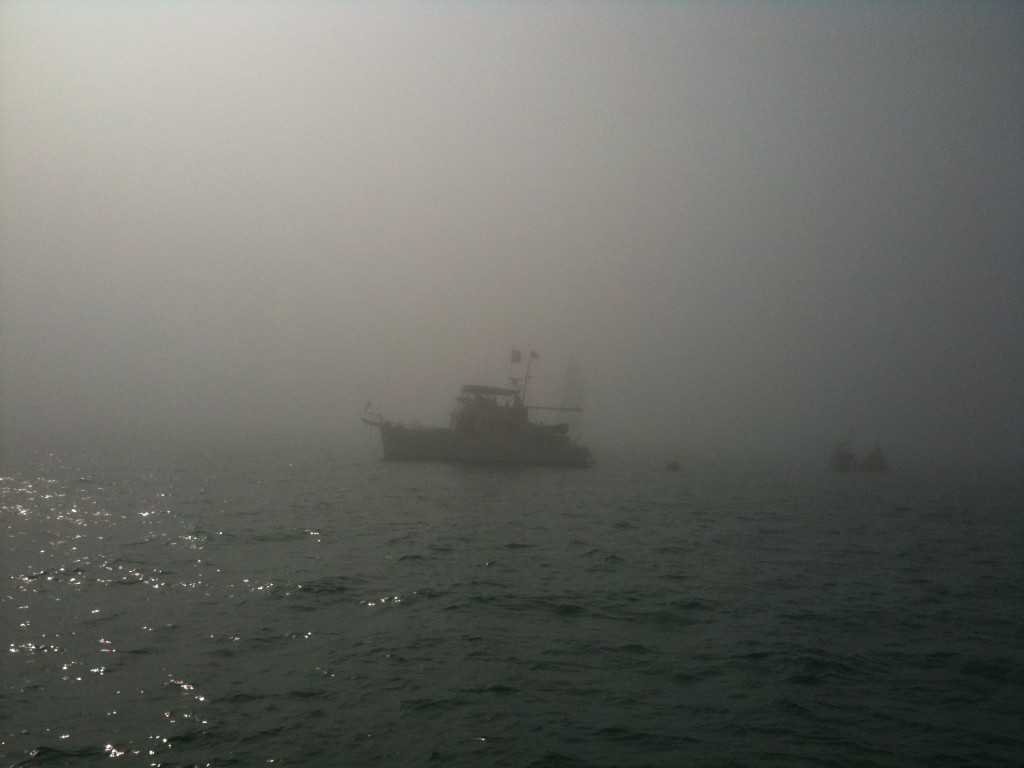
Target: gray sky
pixel 751 224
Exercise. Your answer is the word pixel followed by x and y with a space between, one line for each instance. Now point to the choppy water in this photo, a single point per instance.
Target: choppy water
pixel 297 608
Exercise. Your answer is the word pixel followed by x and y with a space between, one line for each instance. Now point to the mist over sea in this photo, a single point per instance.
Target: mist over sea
pixel 269 605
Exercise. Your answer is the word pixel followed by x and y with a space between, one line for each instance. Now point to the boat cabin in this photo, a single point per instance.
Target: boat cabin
pixel 481 408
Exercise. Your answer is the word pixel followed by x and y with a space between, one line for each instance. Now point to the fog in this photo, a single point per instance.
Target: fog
pixel 753 226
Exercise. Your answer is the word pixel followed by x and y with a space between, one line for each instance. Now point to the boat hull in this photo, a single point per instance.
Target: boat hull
pixel 405 443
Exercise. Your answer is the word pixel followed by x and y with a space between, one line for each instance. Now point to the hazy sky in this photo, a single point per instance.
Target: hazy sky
pixel 751 224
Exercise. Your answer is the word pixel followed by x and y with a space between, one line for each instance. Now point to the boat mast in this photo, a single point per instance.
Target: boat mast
pixel 515 359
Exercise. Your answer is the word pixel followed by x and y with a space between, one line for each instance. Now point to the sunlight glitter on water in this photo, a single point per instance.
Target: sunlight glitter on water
pixel 580 607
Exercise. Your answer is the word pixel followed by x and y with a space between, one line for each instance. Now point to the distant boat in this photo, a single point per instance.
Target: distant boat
pixel 672 466
pixel 490 425
pixel 844 461
pixel 874 462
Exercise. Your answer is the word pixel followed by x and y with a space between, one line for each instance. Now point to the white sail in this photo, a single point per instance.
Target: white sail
pixel 573 396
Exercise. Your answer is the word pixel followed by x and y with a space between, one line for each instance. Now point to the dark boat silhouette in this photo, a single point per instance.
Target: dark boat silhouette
pixel 874 462
pixel 844 461
pixel 490 425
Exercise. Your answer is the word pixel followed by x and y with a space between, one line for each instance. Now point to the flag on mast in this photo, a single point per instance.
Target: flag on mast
pixel 534 355
pixel 517 356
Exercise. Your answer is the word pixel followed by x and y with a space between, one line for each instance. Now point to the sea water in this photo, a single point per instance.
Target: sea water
pixel 194 606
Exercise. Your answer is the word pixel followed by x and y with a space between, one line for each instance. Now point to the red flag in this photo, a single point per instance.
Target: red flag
pixel 517 356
